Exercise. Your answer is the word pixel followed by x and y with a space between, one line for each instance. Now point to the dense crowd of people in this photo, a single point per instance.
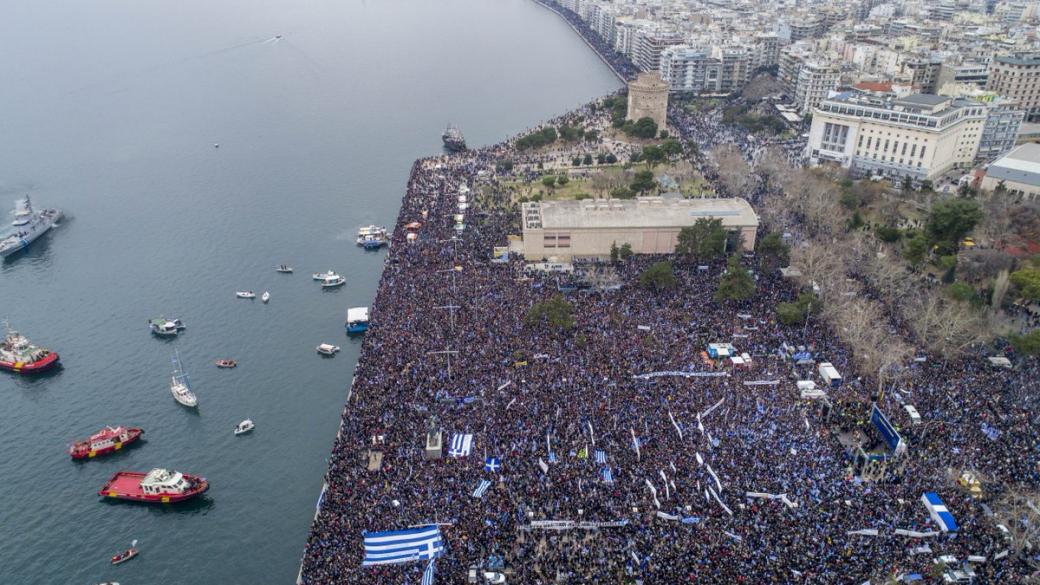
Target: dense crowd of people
pixel 616 61
pixel 625 420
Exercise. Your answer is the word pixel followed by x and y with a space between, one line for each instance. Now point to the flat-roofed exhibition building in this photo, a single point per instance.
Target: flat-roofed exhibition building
pixel 588 228
pixel 1018 171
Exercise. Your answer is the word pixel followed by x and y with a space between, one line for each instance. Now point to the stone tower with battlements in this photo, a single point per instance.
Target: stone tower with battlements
pixel 648 98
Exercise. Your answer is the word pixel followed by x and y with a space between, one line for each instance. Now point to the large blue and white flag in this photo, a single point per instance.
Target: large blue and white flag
pixel 492 464
pixel 427 576
pixel 601 457
pixel 483 487
pixel 607 476
pixel 938 511
pixel 402 546
pixel 553 458
pixel 461 445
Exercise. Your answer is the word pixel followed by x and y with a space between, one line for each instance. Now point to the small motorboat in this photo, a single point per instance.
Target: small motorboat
pixel 322 275
pixel 265 297
pixel 327 349
pixel 164 327
pixel 126 555
pixel 226 363
pixel 284 269
pixel 332 281
pixel 245 294
pixel 244 427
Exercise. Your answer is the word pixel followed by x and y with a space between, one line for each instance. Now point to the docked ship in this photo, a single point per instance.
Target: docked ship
pixel 159 486
pixel 29 225
pixel 107 440
pixel 372 237
pixel 18 354
pixel 453 139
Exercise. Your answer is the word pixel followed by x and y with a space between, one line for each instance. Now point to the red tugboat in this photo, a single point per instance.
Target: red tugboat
pixel 160 486
pixel 105 441
pixel 18 355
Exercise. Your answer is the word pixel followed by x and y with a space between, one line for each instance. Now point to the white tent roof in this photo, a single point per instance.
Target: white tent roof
pixel 357 314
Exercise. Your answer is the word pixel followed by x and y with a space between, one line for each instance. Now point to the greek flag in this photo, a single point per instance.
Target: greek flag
pixel 601 457
pixel 402 546
pixel 608 477
pixel 938 511
pixel 492 464
pixel 427 576
pixel 461 445
pixel 552 457
pixel 483 487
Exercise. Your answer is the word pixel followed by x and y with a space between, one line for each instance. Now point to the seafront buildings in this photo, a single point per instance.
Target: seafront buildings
pixel 825 52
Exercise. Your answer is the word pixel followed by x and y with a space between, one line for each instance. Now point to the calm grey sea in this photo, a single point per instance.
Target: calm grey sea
pixel 110 110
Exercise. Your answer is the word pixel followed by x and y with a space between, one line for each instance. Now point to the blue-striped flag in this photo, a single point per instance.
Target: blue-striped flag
pixel 483 487
pixel 601 457
pixel 461 445
pixel 552 457
pixel 427 576
pixel 608 477
pixel 402 546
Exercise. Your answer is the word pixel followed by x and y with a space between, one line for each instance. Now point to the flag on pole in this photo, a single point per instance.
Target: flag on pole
pixel 608 477
pixel 543 465
pixel 402 546
pixel 461 445
pixel 427 576
pixel 492 464
pixel 552 457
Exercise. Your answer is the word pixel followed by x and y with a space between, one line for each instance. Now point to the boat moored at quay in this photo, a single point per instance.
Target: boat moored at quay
pixel 158 486
pixel 107 440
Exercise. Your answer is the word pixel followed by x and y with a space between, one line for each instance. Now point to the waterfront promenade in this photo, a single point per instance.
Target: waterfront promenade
pixel 645 471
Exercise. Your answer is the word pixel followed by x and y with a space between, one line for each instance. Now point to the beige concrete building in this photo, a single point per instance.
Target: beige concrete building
pixel 587 228
pixel 917 136
pixel 1017 77
pixel 1018 171
pixel 648 98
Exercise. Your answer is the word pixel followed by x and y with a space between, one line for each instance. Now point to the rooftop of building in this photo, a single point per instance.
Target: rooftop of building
pixel 1019 59
pixel 643 212
pixel 1021 165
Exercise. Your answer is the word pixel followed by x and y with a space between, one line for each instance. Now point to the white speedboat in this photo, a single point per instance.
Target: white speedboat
pixel 322 275
pixel 265 297
pixel 244 427
pixel 284 269
pixel 180 386
pixel 327 349
pixel 245 294
pixel 370 231
pixel 333 281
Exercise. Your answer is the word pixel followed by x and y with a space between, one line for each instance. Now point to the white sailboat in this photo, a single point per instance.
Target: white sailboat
pixel 180 385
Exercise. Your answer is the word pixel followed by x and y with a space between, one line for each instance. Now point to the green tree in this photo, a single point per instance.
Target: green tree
pixel 576 161
pixel 916 249
pixel 855 222
pixel 736 284
pixel 611 159
pixel 1028 344
pixel 626 251
pixel 549 181
pixel 887 233
pixel 664 134
pixel 556 313
pixel 643 181
pixel 622 193
pixel 562 180
pixel 653 155
pixel 671 147
pixel 951 220
pixel 1027 281
pixel 659 276
pixel 615 253
pixel 773 252
pixel 963 292
pixel 797 312
pixel 704 240
pixel 642 128
pixel 587 160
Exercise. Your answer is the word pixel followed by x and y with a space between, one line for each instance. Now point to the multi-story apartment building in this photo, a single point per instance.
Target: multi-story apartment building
pixel 920 136
pixel 766 50
pixel 806 77
pixel 648 44
pixel 689 68
pixel 1018 78
pixel 924 73
pixel 968 73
